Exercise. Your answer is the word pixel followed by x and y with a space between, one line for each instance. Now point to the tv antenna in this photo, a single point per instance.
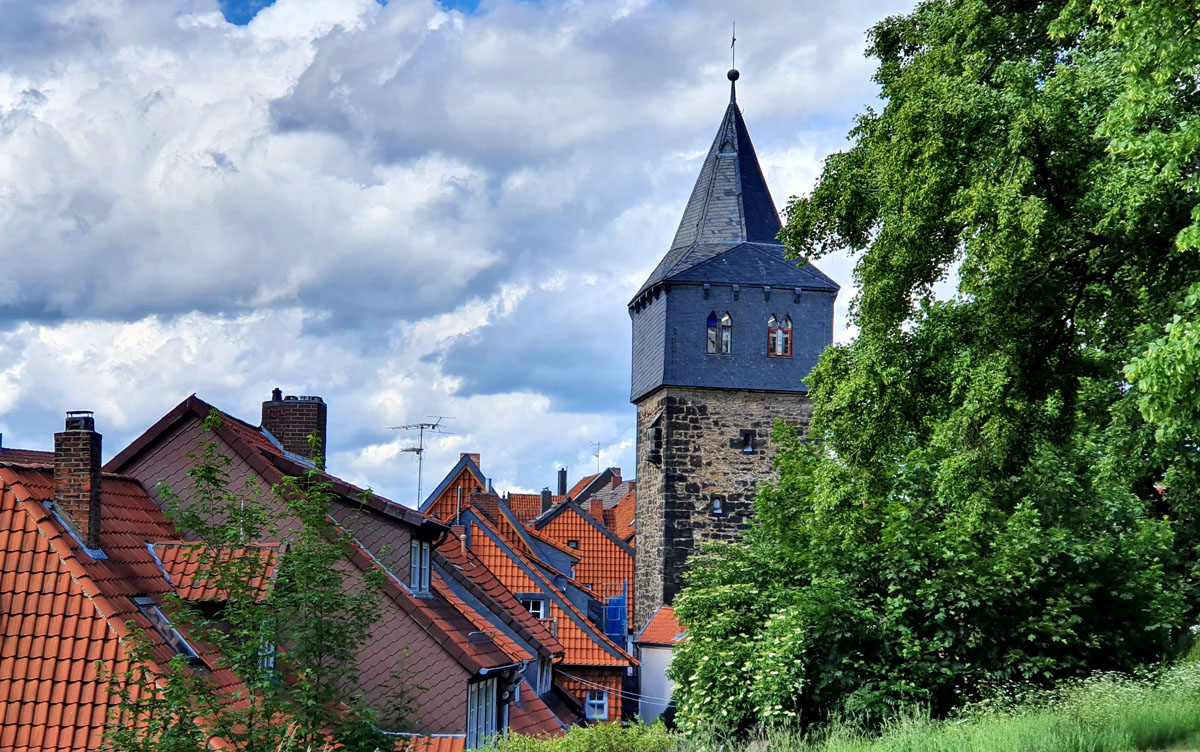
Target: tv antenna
pixel 596 447
pixel 419 449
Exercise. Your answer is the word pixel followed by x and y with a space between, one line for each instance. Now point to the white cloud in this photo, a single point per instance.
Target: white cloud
pixel 407 210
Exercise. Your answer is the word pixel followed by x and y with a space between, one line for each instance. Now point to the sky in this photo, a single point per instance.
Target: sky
pixel 411 209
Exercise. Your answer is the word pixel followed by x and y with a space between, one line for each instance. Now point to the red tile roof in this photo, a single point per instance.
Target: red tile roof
pixel 184 565
pixel 605 565
pixel 65 611
pixel 663 629
pixel 531 716
pixel 583 646
pixel 26 457
pixel 432 743
pixel 465 567
pixel 621 518
pixel 515 652
pixel 524 506
pixel 583 483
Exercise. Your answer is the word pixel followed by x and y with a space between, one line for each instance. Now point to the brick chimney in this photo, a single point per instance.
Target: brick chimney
pixel 596 508
pixel 487 504
pixel 547 499
pixel 562 481
pixel 291 419
pixel 474 458
pixel 77 476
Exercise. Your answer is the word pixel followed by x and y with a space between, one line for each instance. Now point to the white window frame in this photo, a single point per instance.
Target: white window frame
pixel 481 712
pixel 419 552
pixel 596 707
pixel 540 612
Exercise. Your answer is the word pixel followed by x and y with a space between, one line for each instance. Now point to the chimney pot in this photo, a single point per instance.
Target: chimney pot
pixel 77 476
pixel 547 499
pixel 276 394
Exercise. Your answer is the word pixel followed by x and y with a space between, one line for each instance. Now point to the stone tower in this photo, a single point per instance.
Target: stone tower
pixel 725 331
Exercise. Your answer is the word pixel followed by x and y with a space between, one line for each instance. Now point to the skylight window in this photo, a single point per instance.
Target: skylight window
pixel 162 625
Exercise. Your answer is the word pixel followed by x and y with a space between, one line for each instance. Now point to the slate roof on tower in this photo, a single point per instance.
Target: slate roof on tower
pixel 730 223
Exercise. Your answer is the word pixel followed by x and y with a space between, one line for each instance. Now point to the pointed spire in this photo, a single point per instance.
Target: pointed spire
pixel 730 202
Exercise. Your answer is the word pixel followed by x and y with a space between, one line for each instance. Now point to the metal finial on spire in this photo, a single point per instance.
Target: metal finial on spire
pixel 733 71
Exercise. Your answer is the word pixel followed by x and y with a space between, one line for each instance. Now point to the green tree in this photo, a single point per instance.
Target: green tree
pixel 979 504
pixel 294 597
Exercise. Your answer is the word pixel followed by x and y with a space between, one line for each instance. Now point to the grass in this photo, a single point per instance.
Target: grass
pixel 1102 714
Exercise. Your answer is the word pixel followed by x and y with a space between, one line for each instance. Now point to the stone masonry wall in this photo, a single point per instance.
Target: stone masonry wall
pixel 704 433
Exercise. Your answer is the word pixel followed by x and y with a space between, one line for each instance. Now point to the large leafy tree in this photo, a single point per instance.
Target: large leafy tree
pixel 982 501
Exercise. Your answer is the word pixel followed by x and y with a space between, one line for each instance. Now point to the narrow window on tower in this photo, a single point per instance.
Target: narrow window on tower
pixel 726 333
pixel 713 329
pixel 779 337
pixel 720 334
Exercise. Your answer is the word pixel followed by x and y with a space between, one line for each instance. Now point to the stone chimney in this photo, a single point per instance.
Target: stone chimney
pixel 291 419
pixel 547 499
pixel 77 476
pixel 562 481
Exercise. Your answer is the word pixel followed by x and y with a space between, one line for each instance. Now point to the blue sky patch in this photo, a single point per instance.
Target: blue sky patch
pixel 241 12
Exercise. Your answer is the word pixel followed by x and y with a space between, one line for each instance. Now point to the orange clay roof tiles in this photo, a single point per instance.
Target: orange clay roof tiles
pixel 432 743
pixel 584 646
pixel 514 651
pixel 531 716
pixel 524 506
pixel 605 566
pixel 64 610
pixel 583 483
pixel 464 565
pixel 663 629
pixel 184 565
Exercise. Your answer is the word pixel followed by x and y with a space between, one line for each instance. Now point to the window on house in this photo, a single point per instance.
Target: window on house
pixel 481 713
pixel 596 708
pixel 162 625
pixel 535 606
pixel 779 337
pixel 572 544
pixel 418 566
pixel 720 334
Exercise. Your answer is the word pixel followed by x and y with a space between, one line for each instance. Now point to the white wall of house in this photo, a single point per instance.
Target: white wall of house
pixel 654 686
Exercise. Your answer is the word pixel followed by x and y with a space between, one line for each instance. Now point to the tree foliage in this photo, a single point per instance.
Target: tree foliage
pixel 292 642
pixel 981 499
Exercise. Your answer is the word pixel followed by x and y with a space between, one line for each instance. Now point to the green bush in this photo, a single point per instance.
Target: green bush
pixel 603 737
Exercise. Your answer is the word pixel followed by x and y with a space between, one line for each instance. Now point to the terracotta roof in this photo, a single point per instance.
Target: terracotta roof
pixel 26 457
pixel 183 565
pixel 524 506
pixel 621 518
pixel 584 644
pixel 515 652
pixel 431 743
pixel 64 610
pixel 605 564
pixel 464 567
pixel 583 483
pixel 253 445
pixel 532 716
pixel 663 629
pixel 440 620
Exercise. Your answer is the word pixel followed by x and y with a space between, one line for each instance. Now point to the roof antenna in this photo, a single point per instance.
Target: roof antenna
pixel 419 449
pixel 733 71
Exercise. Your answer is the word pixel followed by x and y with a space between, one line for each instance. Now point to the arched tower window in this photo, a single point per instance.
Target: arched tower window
pixel 779 337
pixel 720 334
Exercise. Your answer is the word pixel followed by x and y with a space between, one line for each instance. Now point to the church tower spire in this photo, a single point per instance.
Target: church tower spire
pixel 725 332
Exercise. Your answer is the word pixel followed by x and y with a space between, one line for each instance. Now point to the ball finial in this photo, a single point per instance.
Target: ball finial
pixel 733 74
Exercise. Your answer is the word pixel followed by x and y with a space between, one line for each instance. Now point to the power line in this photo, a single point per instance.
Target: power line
pixel 621 692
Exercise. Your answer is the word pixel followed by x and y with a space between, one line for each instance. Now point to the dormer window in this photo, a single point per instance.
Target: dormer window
pixel 779 337
pixel 720 334
pixel 418 566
